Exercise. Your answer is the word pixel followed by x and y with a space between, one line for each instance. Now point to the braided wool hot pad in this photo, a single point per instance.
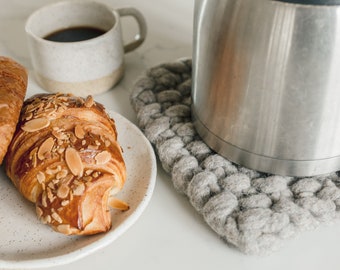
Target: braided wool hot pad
pixel 250 210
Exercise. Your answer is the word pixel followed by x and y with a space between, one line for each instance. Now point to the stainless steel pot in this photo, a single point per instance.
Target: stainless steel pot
pixel 266 83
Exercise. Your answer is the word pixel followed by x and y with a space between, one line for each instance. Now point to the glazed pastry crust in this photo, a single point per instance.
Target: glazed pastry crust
pixel 13 84
pixel 65 158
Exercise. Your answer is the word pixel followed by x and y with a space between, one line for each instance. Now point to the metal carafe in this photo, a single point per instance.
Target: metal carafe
pixel 266 83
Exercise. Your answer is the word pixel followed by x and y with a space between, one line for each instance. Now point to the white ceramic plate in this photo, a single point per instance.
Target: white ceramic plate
pixel 27 243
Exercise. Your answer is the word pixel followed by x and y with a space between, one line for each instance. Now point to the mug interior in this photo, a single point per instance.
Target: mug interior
pixel 64 15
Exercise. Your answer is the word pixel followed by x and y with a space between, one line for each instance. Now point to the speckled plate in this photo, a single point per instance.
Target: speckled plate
pixel 26 243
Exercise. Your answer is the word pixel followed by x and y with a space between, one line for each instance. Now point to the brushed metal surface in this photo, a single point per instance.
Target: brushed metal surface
pixel 266 83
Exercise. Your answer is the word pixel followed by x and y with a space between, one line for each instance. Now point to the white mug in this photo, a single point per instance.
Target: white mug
pixel 85 67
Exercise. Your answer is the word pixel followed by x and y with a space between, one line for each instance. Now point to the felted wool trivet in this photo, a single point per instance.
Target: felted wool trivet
pixel 250 210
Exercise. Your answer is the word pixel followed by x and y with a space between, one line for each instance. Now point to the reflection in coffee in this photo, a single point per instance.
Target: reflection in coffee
pixel 74 34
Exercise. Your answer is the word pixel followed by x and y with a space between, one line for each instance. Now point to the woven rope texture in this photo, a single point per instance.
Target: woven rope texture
pixel 250 210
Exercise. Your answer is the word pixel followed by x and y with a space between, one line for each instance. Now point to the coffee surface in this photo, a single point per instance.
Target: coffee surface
pixel 75 34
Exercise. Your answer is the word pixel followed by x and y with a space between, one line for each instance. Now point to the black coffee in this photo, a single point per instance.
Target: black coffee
pixel 74 34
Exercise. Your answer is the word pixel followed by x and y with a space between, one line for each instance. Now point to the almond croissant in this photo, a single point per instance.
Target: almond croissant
pixel 65 158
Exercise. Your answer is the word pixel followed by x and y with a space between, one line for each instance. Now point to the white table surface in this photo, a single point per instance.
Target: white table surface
pixel 169 234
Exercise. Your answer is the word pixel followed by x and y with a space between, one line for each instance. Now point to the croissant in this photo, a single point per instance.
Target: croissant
pixel 65 158
pixel 13 84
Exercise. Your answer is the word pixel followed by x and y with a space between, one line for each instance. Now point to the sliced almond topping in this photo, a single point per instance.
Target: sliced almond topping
pixel 103 157
pixel 61 109
pixel 33 153
pixel 64 228
pixel 28 116
pixel 93 147
pixel 30 107
pixel 88 172
pixel 34 161
pixel 87 178
pixel 72 137
pixel 73 161
pixel 45 148
pixel 40 108
pixel 60 150
pixel 118 204
pixel 65 202
pixel 44 199
pixel 89 101
pixel 67 179
pixel 50 195
pixel 46 219
pixel 41 177
pixel 36 124
pixel 51 185
pixel 60 135
pixel 61 174
pixel 39 212
pixel 79 189
pixel 63 191
pixel 79 132
pixel 56 133
pixel 51 171
pixel 49 111
pixel 57 217
pixel 107 143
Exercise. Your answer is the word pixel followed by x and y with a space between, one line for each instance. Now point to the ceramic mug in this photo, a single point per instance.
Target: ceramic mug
pixel 82 67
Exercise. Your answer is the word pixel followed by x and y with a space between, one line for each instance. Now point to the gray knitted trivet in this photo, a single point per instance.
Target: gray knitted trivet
pixel 248 209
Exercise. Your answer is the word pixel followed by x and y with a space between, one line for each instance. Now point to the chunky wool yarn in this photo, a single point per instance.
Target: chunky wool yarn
pixel 250 210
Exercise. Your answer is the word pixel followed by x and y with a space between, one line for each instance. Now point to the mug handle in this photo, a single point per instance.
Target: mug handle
pixel 139 37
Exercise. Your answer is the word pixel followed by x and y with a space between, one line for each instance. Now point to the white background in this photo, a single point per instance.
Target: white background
pixel 169 234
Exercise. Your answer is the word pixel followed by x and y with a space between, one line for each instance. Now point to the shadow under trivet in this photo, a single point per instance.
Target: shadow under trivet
pixel 252 211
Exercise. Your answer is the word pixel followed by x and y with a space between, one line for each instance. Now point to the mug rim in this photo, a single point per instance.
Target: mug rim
pixel 29 31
